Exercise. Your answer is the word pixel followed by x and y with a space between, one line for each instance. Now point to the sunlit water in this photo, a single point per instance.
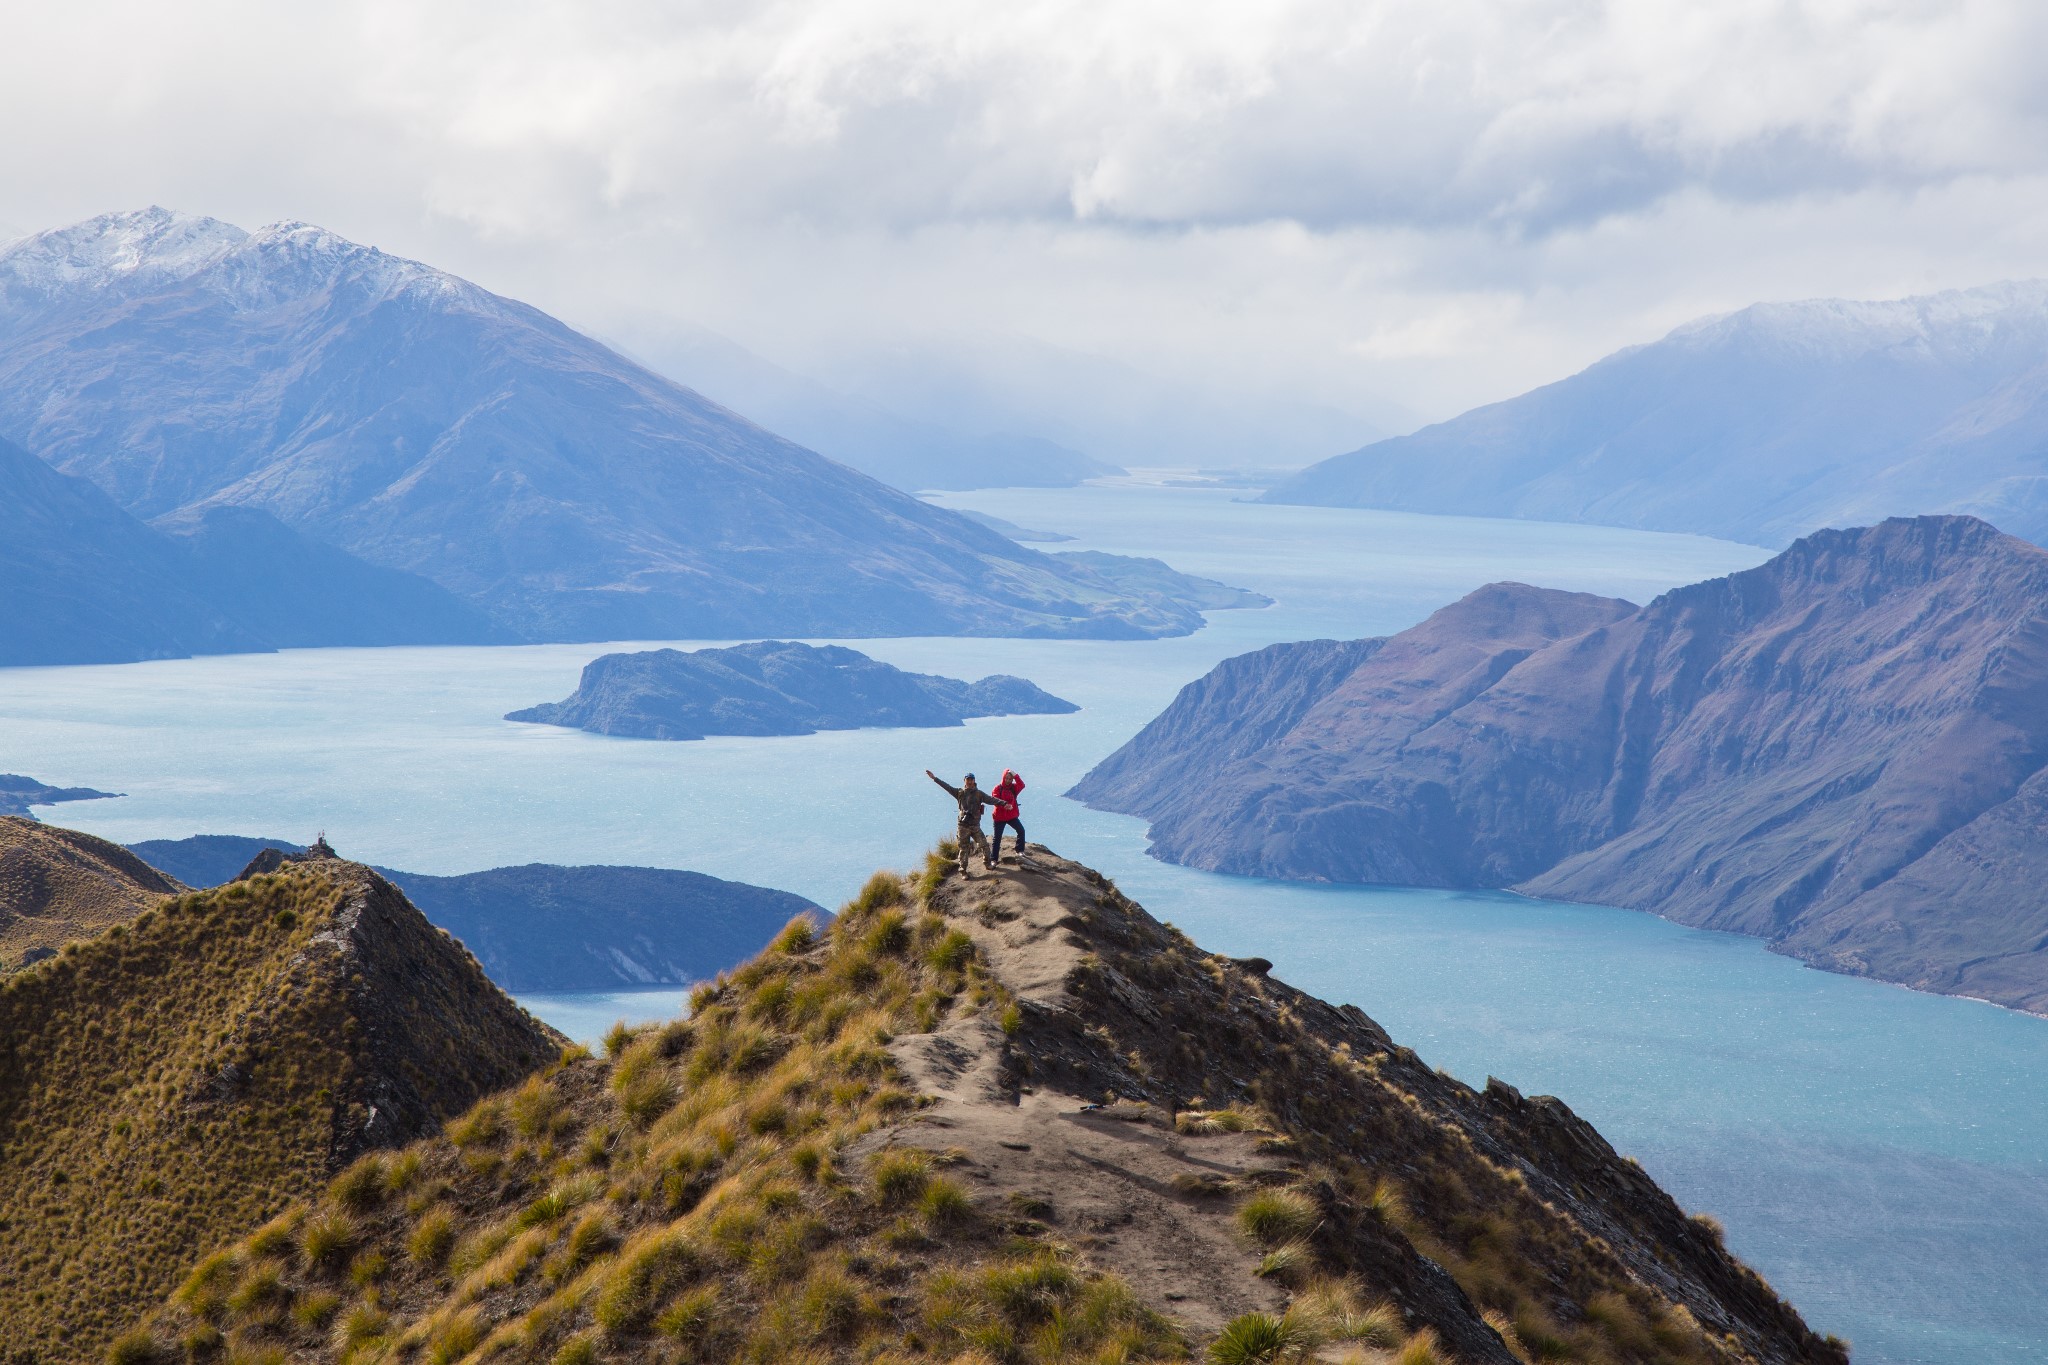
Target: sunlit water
pixel 1882 1156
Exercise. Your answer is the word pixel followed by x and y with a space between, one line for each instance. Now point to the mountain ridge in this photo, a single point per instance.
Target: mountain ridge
pixel 975 1115
pixel 189 1072
pixel 1760 425
pixel 1841 751
pixel 424 424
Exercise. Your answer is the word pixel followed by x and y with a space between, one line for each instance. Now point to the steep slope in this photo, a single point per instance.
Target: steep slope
pixel 297 593
pixel 1841 751
pixel 424 424
pixel 1760 426
pixel 774 687
pixel 57 885
pixel 541 927
pixel 892 1142
pixel 83 582
pixel 185 1076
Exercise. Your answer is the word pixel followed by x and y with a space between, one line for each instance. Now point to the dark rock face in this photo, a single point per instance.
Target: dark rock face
pixel 546 928
pixel 1760 426
pixel 1841 751
pixel 429 426
pixel 774 688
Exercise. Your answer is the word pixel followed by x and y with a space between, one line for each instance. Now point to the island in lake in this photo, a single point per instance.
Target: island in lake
pixel 775 687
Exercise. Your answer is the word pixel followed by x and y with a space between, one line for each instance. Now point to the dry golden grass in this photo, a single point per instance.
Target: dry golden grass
pixel 134 1124
pixel 699 1194
pixel 57 885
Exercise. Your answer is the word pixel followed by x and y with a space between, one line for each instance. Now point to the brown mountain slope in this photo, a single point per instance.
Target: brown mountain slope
pixel 1009 1118
pixel 187 1074
pixel 57 885
pixel 1841 751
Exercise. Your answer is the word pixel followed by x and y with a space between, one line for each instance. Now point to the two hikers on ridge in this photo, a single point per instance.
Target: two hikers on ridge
pixel 971 799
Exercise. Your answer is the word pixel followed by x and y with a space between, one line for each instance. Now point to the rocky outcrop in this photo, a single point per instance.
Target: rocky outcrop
pixel 774 687
pixel 57 886
pixel 188 1073
pixel 1841 751
pixel 1121 1022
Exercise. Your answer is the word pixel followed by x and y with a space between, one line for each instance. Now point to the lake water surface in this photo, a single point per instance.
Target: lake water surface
pixel 1881 1156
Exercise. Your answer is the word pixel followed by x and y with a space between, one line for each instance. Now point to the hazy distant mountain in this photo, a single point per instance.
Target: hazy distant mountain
pixel 1759 426
pixel 81 581
pixel 1843 750
pixel 427 425
pixel 1111 410
pixel 898 450
pixel 547 928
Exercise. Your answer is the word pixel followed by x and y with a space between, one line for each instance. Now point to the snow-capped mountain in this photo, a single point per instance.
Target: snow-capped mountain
pixel 429 425
pixel 1760 425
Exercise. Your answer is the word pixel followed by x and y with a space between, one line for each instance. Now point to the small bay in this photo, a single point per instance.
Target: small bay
pixel 1882 1156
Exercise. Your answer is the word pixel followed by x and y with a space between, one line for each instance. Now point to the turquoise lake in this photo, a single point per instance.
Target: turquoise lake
pixel 1881 1156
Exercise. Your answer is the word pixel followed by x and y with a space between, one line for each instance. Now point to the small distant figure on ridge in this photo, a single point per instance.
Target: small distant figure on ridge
pixel 1005 795
pixel 968 836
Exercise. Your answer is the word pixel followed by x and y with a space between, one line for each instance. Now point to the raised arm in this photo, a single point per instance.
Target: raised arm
pixel 951 790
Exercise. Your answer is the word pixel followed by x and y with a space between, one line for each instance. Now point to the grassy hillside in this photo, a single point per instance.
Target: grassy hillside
pixel 892 1141
pixel 57 885
pixel 189 1073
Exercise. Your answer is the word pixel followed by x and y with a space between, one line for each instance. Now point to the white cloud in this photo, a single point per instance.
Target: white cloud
pixel 1443 200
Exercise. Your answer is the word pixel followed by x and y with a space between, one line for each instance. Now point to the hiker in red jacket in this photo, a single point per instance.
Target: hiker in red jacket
pixel 1005 794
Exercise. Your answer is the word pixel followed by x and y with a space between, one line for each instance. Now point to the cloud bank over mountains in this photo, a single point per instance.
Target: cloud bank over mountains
pixel 1314 200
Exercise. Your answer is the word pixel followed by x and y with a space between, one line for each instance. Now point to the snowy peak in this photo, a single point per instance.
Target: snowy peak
pixel 148 245
pixel 149 248
pixel 292 259
pixel 1954 325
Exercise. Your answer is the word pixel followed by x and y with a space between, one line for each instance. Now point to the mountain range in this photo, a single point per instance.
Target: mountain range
pixel 425 425
pixel 1843 751
pixel 1759 426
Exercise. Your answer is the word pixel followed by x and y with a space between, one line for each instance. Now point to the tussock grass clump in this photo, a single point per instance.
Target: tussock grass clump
pixel 328 1241
pixel 1202 1122
pixel 1273 1218
pixel 1260 1339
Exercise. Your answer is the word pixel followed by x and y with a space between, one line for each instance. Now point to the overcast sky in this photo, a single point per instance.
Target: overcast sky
pixel 1426 202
